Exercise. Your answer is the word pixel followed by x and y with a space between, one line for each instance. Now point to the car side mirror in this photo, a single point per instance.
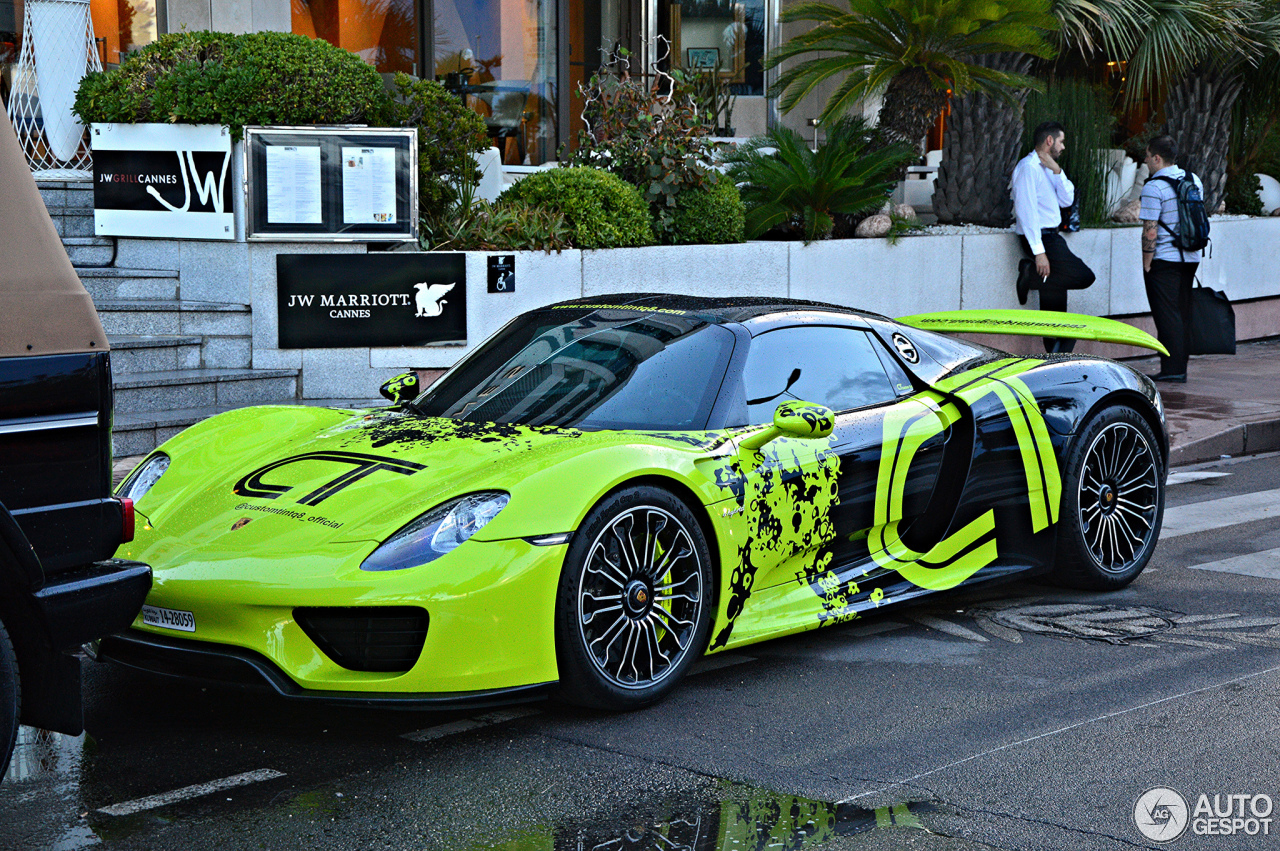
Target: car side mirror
pixel 794 419
pixel 401 389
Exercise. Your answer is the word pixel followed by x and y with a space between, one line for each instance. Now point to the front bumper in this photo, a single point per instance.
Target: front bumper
pixel 491 608
pixel 241 668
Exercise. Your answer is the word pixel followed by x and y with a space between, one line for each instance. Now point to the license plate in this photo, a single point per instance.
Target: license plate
pixel 168 619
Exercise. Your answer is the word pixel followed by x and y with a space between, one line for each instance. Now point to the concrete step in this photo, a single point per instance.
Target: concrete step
pixel 134 317
pixel 138 433
pixel 62 193
pixel 72 221
pixel 177 389
pixel 90 250
pixel 116 283
pixel 151 352
pixel 154 353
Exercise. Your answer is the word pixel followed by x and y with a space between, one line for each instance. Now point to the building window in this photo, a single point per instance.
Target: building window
pixel 728 35
pixel 501 56
pixel 383 33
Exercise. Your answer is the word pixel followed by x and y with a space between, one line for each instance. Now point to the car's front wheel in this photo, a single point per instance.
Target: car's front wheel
pixel 635 601
pixel 1112 502
pixel 10 699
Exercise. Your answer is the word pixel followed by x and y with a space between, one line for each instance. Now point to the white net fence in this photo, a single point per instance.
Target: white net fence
pixel 58 49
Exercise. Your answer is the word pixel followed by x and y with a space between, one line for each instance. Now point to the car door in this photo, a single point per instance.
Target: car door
pixel 870 481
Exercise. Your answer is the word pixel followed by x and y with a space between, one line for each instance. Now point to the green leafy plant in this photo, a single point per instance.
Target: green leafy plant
pixel 218 78
pixel 600 209
pixel 915 52
pixel 648 132
pixel 712 96
pixel 448 133
pixel 1242 195
pixel 708 215
pixel 509 226
pixel 783 183
pixel 1085 113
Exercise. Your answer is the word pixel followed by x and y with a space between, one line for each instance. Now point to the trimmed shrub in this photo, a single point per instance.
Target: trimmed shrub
pixel 1242 195
pixel 712 213
pixel 510 226
pixel 448 133
pixel 218 78
pixel 601 209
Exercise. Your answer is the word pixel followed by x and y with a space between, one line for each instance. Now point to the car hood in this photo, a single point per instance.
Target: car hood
pixel 304 479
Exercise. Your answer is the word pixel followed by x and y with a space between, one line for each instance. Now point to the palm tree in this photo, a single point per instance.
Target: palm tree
pixel 782 181
pixel 984 134
pixel 1242 36
pixel 915 52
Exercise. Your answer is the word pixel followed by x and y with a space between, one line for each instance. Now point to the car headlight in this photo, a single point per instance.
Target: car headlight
pixel 144 477
pixel 440 530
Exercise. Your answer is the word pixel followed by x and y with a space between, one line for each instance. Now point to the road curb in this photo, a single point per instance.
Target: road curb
pixel 1240 439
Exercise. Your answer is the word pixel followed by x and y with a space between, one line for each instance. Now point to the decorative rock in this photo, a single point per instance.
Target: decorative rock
pixel 1276 211
pixel 1222 208
pixel 906 211
pixel 873 226
pixel 1128 212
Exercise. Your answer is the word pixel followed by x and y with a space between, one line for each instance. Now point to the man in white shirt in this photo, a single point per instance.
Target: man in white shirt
pixel 1169 272
pixel 1040 189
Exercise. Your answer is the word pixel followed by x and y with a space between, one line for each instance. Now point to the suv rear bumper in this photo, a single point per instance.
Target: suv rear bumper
pixel 98 599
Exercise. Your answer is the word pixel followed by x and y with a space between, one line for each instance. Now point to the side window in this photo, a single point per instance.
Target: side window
pixel 832 366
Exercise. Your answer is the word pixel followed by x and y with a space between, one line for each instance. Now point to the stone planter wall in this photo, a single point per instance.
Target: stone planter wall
pixel 918 274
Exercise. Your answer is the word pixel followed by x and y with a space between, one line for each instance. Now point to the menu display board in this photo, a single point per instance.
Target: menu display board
pixel 349 184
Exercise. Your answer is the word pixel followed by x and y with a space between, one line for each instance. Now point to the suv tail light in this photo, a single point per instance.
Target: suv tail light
pixel 127 505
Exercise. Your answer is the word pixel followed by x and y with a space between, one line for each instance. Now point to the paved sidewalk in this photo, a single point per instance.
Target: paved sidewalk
pixel 1230 404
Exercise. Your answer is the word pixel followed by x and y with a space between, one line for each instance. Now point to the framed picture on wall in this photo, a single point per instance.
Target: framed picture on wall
pixel 702 58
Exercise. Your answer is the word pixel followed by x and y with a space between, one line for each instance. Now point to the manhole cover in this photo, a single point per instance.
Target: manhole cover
pixel 1113 624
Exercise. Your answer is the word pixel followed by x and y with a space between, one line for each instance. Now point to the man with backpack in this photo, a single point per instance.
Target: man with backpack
pixel 1175 228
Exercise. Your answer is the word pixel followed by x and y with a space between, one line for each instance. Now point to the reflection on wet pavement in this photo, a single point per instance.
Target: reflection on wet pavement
pixel 746 820
pixel 40 794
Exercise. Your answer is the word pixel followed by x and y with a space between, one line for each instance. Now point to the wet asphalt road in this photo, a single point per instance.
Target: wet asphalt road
pixel 975 720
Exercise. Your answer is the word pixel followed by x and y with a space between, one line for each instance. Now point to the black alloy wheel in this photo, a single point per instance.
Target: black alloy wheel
pixel 635 601
pixel 1112 502
pixel 10 699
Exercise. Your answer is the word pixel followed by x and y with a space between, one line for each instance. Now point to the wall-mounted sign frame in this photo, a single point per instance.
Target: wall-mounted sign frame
pixel 383 299
pixel 331 184
pixel 162 180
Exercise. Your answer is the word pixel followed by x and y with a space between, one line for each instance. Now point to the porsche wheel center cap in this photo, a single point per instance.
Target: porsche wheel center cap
pixel 1107 498
pixel 638 598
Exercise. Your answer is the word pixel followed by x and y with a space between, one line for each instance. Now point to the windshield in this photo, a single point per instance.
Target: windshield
pixel 590 368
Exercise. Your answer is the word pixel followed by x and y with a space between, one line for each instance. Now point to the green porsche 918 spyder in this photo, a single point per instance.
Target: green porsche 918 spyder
pixel 607 489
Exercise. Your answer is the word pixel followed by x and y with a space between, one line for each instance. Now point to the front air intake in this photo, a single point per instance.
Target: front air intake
pixel 384 639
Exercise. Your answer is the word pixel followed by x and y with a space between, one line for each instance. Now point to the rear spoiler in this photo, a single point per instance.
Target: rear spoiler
pixel 1037 323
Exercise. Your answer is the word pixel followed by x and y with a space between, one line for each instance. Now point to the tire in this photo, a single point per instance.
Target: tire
pixel 1112 502
pixel 10 699
pixel 631 618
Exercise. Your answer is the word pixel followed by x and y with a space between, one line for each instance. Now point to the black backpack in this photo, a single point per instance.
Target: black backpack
pixel 1193 220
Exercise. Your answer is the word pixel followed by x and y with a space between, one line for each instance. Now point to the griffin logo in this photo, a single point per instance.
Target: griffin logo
pixel 430 298
pixel 364 465
pixel 241 523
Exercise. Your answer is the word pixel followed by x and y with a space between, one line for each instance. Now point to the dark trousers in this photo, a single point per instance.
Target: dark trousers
pixel 1169 292
pixel 1066 272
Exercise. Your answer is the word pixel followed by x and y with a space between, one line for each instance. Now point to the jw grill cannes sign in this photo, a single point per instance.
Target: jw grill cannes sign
pixel 162 180
pixel 328 301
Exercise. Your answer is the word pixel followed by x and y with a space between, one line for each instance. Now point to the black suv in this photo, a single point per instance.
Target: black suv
pixel 59 524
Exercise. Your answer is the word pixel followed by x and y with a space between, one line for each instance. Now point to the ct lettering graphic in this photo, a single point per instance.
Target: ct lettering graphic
pixel 361 466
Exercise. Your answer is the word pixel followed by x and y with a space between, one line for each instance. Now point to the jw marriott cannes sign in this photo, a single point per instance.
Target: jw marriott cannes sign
pixel 162 180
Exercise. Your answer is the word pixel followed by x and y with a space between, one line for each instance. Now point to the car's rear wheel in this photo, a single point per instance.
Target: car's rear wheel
pixel 10 699
pixel 1112 502
pixel 635 601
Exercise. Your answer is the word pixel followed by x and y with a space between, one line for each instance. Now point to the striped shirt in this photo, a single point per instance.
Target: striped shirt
pixel 1160 204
